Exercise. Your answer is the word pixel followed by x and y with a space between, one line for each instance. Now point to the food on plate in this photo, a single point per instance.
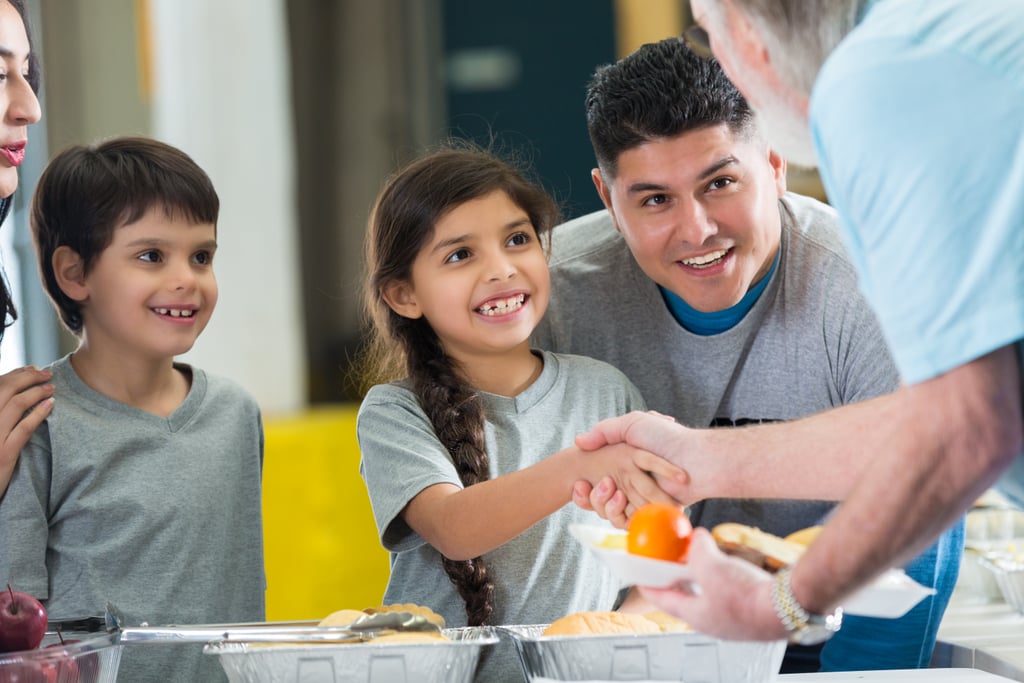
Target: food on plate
pixel 601 623
pixel 805 536
pixel 768 551
pixel 22 621
pixel 661 531
pixel 613 541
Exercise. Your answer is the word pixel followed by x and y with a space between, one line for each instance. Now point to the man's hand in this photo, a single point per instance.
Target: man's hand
pixel 728 597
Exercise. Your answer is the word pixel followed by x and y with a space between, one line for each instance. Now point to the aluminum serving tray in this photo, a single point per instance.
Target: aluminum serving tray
pixel 687 656
pixel 294 661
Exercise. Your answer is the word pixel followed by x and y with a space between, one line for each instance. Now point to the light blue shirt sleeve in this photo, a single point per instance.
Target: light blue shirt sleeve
pixel 919 122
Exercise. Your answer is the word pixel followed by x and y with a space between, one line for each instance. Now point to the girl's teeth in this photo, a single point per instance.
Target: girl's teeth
pixel 175 312
pixel 502 307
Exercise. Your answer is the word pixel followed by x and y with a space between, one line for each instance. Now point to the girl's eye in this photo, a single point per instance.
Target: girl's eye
pixel 656 200
pixel 458 255
pixel 151 256
pixel 518 240
pixel 203 258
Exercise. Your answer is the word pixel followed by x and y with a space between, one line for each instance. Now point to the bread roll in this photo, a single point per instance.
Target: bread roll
pixel 431 616
pixel 599 623
pixel 409 637
pixel 667 622
pixel 805 537
pixel 342 617
pixel 767 551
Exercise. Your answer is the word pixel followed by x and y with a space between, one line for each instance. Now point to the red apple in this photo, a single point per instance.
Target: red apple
pixel 28 672
pixel 66 668
pixel 22 621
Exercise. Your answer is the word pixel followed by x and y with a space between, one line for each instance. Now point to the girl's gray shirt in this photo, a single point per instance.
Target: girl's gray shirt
pixel 543 573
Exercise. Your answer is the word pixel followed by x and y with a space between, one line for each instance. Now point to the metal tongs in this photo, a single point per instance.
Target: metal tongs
pixel 363 629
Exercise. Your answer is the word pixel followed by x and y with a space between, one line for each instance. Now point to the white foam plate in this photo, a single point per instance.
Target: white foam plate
pixel 890 596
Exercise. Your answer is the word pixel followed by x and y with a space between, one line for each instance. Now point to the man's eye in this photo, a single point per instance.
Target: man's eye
pixel 655 200
pixel 458 255
pixel 719 183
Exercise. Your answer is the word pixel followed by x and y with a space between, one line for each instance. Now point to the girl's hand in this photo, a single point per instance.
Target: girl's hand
pixel 632 472
pixel 25 401
pixel 605 499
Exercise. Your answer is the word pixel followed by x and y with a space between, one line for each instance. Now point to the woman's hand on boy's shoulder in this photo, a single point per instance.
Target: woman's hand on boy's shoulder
pixel 26 399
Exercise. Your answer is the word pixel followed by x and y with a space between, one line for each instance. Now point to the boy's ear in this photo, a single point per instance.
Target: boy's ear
pixel 400 297
pixel 69 270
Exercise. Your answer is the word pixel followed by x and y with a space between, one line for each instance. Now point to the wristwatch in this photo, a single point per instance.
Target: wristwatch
pixel 803 628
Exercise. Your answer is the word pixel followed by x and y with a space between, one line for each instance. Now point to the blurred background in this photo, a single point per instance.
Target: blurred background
pixel 298 110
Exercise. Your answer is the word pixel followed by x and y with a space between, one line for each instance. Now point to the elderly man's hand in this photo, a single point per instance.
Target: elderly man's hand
pixel 729 597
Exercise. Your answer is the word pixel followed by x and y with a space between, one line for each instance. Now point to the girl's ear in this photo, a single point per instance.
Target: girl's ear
pixel 69 271
pixel 401 298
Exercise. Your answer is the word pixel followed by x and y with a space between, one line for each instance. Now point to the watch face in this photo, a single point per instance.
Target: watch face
pixel 811 634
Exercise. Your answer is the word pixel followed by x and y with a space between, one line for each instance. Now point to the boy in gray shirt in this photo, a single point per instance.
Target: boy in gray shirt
pixel 142 488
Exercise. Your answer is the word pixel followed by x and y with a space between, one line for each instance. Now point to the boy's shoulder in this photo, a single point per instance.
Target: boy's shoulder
pixel 217 387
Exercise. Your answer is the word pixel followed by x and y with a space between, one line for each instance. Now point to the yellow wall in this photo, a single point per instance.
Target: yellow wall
pixel 322 551
pixel 647 21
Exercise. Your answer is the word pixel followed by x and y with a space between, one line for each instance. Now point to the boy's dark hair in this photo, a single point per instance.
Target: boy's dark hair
pixel 7 308
pixel 661 90
pixel 87 192
pixel 402 222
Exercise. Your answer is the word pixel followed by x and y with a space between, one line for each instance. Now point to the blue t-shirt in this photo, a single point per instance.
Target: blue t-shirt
pixel 918 118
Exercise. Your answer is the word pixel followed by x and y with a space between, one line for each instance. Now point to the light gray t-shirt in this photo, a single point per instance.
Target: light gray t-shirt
pixel 543 573
pixel 159 516
pixel 808 344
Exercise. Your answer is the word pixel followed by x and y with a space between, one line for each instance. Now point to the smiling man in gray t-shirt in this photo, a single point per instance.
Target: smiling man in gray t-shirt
pixel 727 301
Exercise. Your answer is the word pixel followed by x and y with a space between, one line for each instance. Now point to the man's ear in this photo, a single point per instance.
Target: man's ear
pixel 778 164
pixel 69 271
pixel 605 192
pixel 401 298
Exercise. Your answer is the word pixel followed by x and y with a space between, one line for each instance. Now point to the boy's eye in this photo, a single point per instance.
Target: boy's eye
pixel 151 256
pixel 458 255
pixel 518 239
pixel 203 258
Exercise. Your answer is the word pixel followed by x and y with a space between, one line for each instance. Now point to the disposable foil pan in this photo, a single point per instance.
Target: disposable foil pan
pixel 443 661
pixel 686 656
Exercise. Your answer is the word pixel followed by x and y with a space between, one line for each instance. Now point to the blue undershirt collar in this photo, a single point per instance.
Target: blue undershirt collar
pixel 716 322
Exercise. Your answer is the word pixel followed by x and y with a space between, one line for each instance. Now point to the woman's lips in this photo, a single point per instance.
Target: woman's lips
pixel 15 154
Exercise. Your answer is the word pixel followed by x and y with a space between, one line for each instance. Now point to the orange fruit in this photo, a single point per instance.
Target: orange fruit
pixel 661 531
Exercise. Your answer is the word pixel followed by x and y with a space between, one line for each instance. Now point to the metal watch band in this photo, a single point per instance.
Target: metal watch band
pixel 789 611
pixel 803 628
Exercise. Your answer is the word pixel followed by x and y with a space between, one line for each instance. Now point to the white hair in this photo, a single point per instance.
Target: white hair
pixel 799 35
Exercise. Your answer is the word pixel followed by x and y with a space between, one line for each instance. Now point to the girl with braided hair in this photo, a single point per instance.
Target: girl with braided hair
pixel 467 449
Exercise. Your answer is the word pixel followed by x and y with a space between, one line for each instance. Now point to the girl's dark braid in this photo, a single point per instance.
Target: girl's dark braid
pixel 456 413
